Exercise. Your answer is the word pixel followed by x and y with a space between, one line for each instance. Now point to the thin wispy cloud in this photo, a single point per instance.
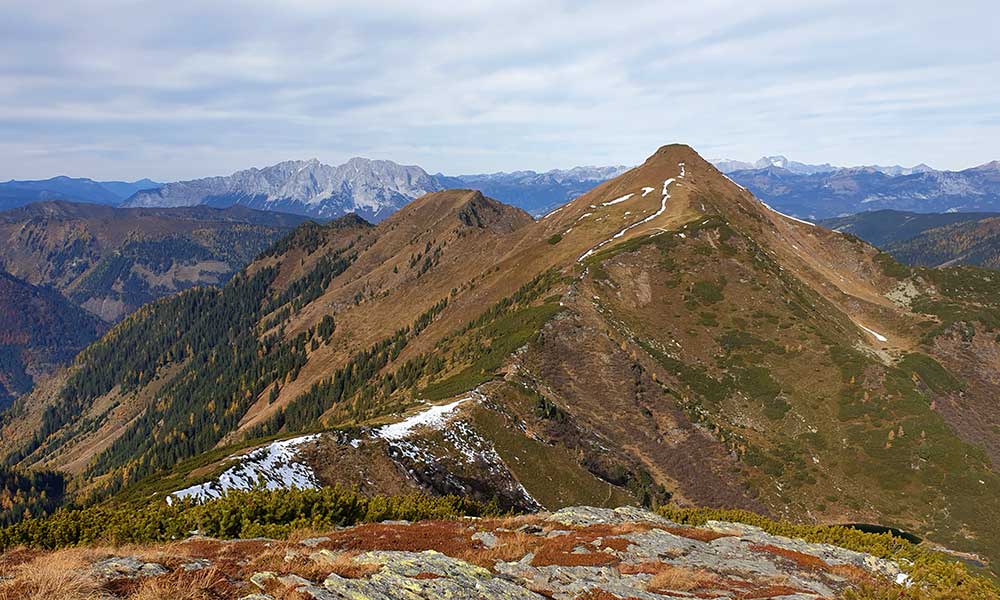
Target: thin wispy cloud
pixel 116 89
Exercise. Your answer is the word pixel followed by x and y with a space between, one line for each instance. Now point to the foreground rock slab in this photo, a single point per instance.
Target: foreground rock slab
pixel 579 553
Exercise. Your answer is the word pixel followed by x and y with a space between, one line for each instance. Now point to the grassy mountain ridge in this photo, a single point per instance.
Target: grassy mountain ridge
pixel 676 338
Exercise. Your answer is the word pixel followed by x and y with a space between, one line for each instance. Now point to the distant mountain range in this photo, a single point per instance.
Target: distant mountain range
pixel 374 189
pixel 815 192
pixel 15 193
pixel 728 165
pixel 930 240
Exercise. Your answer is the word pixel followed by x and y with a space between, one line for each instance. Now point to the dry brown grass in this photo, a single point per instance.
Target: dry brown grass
pixel 343 564
pixel 207 584
pixel 671 578
pixel 802 560
pixel 512 546
pixel 280 561
pixel 64 575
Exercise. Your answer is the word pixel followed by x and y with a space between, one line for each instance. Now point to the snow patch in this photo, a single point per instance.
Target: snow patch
pixel 433 417
pixel 647 190
pixel 271 467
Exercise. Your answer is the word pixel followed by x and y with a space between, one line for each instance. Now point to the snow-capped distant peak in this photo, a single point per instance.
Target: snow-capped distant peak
pixel 772 161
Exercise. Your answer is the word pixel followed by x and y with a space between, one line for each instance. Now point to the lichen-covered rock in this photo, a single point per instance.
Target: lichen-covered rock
pixel 313 542
pixel 264 580
pixel 832 555
pixel 126 567
pixel 197 564
pixel 570 582
pixel 581 516
pixel 486 538
pixel 423 576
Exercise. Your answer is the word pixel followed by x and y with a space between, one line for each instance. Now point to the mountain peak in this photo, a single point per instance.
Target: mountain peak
pixel 674 154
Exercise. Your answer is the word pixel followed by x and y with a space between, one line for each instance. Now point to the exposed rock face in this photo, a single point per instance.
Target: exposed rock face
pixel 580 552
pixel 373 189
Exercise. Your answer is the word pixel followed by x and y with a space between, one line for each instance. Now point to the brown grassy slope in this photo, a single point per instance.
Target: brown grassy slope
pixel 774 363
pixel 386 287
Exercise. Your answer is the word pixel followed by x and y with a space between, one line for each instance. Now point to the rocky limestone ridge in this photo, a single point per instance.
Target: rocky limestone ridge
pixel 371 188
pixel 574 553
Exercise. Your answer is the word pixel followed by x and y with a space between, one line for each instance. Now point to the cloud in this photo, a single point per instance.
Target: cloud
pixel 181 89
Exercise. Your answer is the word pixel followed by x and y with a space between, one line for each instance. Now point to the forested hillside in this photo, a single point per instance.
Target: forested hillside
pixel 110 261
pixel 931 240
pixel 30 494
pixel 40 330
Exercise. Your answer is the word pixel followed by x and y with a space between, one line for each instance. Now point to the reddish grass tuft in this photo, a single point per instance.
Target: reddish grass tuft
pixel 671 578
pixel 805 561
pixel 692 533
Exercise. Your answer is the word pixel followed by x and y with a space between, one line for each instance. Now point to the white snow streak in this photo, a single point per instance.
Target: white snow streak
pixel 734 183
pixel 553 212
pixel 646 190
pixel 878 336
pixel 617 200
pixel 435 417
pixel 768 207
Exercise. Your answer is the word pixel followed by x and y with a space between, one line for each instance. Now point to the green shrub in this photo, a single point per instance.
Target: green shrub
pixel 240 514
pixel 890 267
pixel 709 292
pixel 930 372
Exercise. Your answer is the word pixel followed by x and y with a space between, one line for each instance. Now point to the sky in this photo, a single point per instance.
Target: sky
pixel 179 90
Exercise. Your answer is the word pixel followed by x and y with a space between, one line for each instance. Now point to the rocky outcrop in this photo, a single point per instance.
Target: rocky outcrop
pixel 572 554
